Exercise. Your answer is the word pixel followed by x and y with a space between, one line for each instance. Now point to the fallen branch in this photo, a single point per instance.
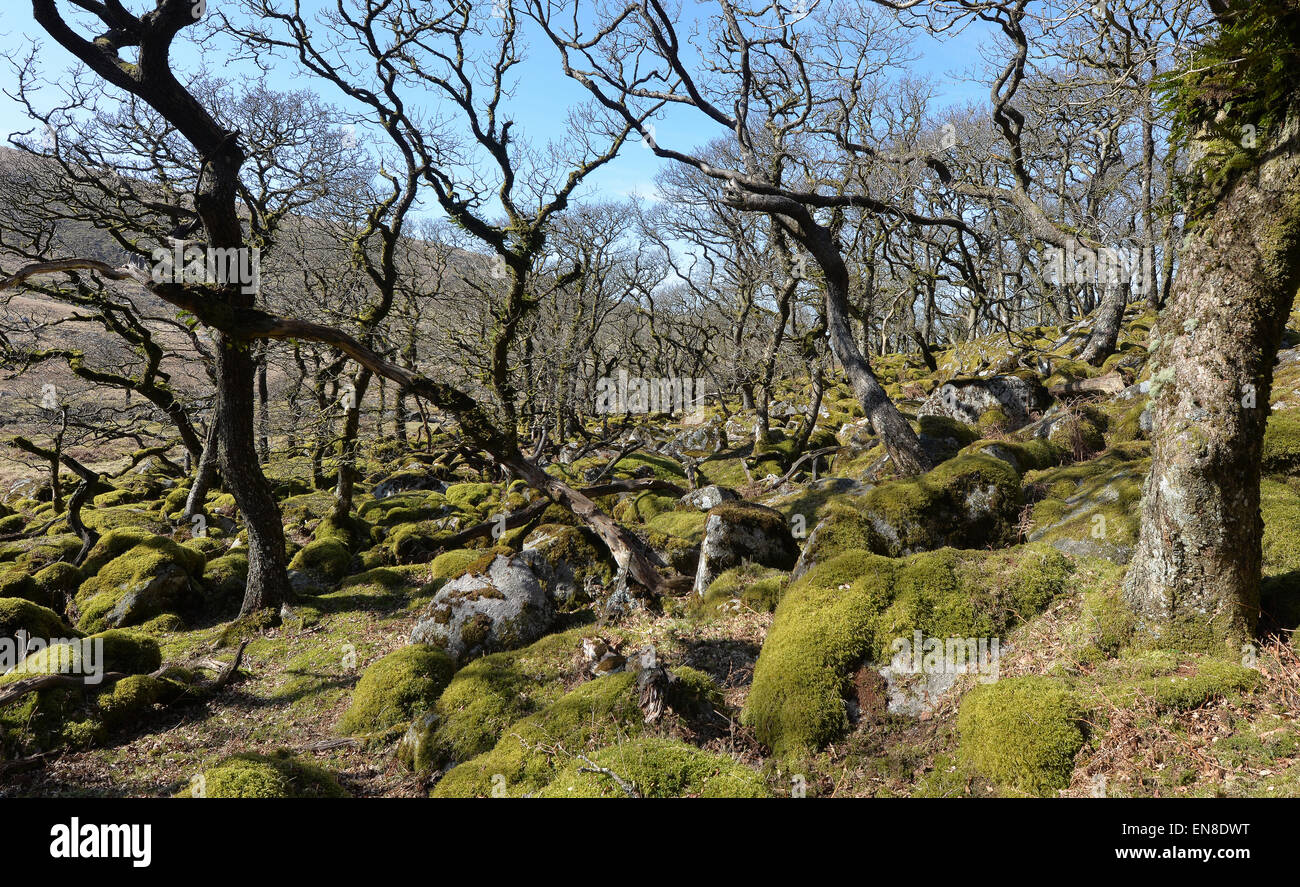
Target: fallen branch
pixel 815 454
pixel 1111 383
pixel 629 788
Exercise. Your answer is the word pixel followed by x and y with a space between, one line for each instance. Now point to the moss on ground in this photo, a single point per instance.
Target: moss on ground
pixel 1021 733
pixel 279 775
pixel 850 609
pixel 656 768
pixel 392 691
pixel 531 751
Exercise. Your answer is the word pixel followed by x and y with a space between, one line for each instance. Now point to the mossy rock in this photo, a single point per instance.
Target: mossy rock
pixel 1022 733
pixel 849 611
pixel 134 696
pixel 754 586
pixel 1082 433
pixel 1091 508
pixel 279 775
pixel 822 632
pixel 59 581
pixel 492 693
pixel 328 557
pixel 21 615
pixel 155 576
pixel 593 715
pixel 111 545
pixel 1281 453
pixel 126 651
pixel 396 688
pixel 225 579
pixel 1023 456
pixel 17 584
pixel 971 501
pixel 657 768
pixel 844 527
pixel 451 564
pixel 576 558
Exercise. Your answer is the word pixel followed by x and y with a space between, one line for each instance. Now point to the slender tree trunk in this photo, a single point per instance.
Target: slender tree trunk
pixel 205 472
pixel 345 478
pixel 263 410
pixel 1197 564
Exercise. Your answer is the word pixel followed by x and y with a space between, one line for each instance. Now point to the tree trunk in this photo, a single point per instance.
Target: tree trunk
pixel 268 580
pixel 345 479
pixel 1197 565
pixel 1105 326
pixel 263 410
pixel 206 472
pixel 626 549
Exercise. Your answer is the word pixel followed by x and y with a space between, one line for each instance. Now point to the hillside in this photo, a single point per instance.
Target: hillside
pixel 417 661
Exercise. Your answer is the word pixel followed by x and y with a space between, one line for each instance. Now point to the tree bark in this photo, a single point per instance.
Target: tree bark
pixel 1197 564
pixel 205 473
pixel 1105 327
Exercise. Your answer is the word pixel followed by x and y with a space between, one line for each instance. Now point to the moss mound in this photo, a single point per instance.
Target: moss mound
pixel 1021 733
pixel 488 695
pixel 971 501
pixel 755 586
pixel 593 715
pixel 17 614
pixel 280 775
pixel 657 768
pixel 850 610
pixel 16 584
pixel 395 689
pixel 154 576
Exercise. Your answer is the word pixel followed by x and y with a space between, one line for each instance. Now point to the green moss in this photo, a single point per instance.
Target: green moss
pixel 125 651
pixel 15 584
pixel 1092 507
pixel 850 609
pixel 280 775
pixel 593 715
pixel 1281 442
pixel 111 545
pixel 657 768
pixel 18 614
pixel 329 557
pixel 488 695
pixel 993 420
pixel 684 524
pixel 395 689
pixel 225 578
pixel 755 586
pixel 970 501
pixel 150 578
pixel 132 697
pixel 1171 681
pixel 1021 733
pixel 453 563
pixel 1106 623
pixel 843 527
pixel 470 495
pixel 59 581
pixel 821 632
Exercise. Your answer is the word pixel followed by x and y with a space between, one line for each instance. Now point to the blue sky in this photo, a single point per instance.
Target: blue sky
pixel 542 97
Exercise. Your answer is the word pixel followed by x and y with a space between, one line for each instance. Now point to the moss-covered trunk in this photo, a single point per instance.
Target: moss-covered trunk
pixel 1197 565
